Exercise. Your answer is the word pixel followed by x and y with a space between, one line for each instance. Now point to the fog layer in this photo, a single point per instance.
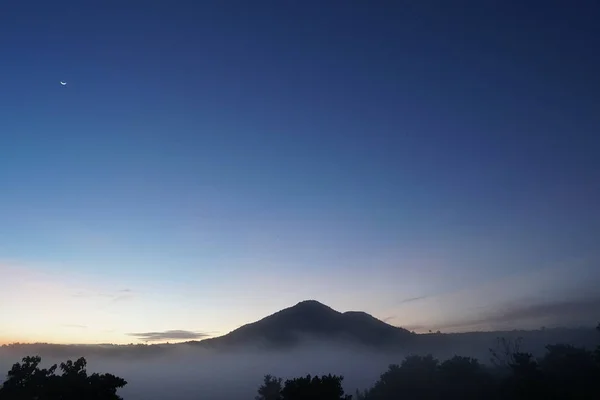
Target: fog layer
pixel 187 371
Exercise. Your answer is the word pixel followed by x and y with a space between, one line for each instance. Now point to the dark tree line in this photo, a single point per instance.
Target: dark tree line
pixel 565 372
pixel 27 381
pixel 326 387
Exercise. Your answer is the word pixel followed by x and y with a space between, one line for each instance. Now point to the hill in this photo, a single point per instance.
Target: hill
pixel 312 320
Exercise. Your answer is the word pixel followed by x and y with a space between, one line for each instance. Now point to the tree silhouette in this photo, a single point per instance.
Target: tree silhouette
pixel 26 381
pixel 570 371
pixel 526 380
pixel 327 387
pixel 415 378
pixel 564 372
pixel 597 351
pixel 464 378
pixel 270 389
pixel 503 354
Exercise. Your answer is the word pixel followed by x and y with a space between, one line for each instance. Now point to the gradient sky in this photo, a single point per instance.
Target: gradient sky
pixel 433 163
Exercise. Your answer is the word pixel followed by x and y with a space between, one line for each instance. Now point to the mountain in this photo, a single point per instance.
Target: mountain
pixel 312 320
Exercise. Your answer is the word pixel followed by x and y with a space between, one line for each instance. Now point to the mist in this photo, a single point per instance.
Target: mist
pixel 191 371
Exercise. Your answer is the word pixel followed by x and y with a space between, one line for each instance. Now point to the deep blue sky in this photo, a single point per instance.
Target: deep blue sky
pixel 210 162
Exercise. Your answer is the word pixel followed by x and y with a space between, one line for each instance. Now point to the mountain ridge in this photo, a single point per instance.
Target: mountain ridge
pixel 310 319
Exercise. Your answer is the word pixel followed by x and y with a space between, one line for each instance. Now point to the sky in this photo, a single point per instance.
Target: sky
pixel 432 163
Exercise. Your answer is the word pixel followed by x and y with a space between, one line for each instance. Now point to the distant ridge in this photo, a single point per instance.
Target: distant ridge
pixel 311 319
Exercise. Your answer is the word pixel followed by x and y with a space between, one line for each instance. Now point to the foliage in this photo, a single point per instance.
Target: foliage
pixel 270 389
pixel 565 372
pixel 503 354
pixel 570 371
pixel 464 378
pixel 27 381
pixel 326 387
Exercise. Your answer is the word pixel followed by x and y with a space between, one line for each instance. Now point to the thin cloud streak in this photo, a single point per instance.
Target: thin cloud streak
pixel 124 297
pixel 169 335
pixel 524 300
pixel 552 313
pixel 412 299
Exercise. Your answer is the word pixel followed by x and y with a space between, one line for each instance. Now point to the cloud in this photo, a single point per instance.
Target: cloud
pixel 548 296
pixel 169 335
pixel 412 299
pixel 123 297
pixel 563 312
pixel 557 309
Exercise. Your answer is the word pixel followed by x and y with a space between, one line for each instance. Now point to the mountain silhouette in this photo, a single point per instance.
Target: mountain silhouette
pixel 312 320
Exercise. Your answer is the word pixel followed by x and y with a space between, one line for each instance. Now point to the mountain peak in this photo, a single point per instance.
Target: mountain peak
pixel 312 304
pixel 310 301
pixel 310 318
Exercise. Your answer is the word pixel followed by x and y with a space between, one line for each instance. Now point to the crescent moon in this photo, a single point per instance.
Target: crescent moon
pixel 63 83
